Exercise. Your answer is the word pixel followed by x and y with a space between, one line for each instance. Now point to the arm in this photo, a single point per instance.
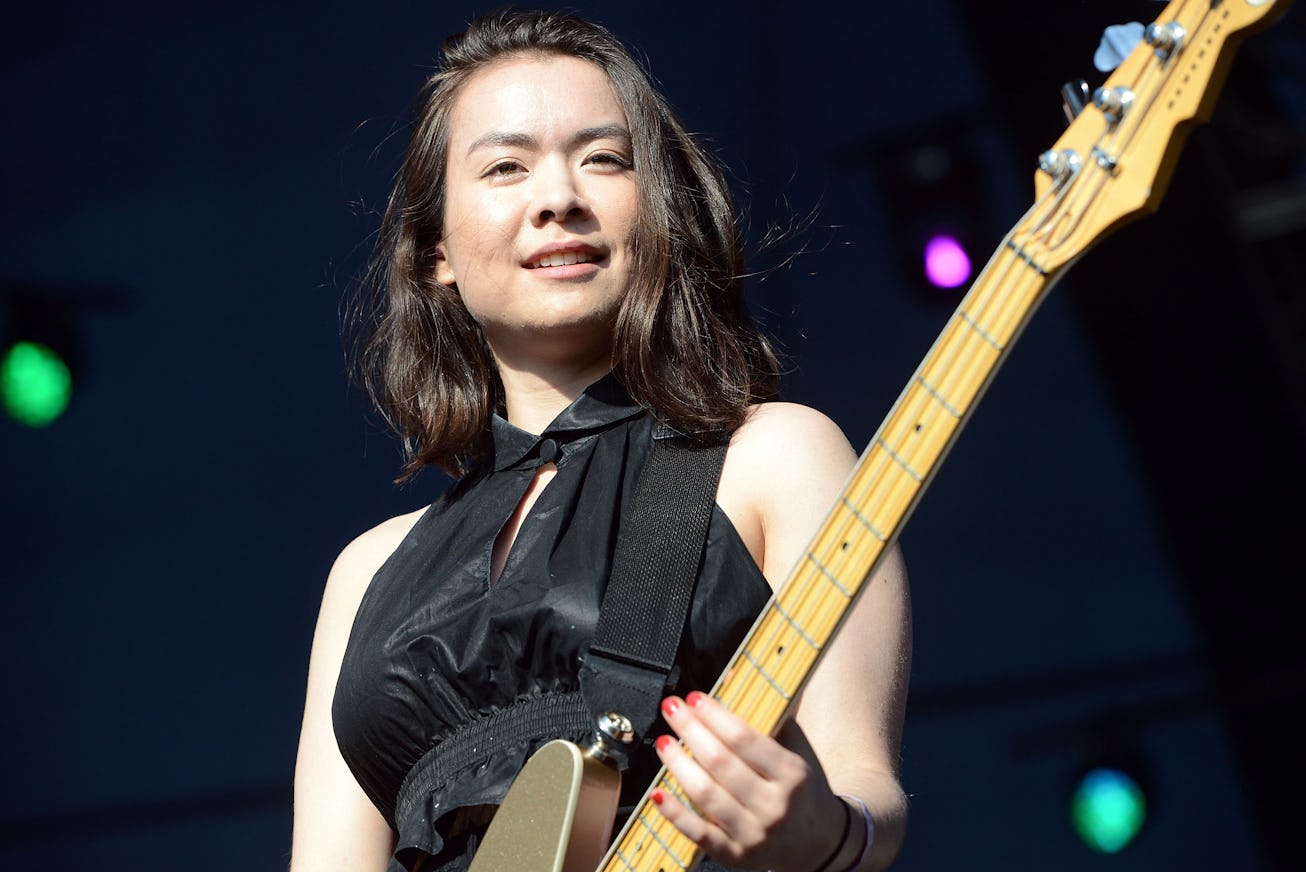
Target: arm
pixel 336 827
pixel 768 804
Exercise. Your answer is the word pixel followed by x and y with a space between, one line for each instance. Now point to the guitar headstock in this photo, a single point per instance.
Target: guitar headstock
pixel 1115 160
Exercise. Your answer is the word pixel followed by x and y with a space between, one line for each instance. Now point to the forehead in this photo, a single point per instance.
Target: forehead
pixel 543 96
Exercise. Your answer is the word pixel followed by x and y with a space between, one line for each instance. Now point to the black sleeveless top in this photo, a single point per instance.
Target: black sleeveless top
pixel 437 654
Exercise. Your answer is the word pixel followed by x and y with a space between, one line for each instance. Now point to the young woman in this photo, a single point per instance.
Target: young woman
pixel 559 273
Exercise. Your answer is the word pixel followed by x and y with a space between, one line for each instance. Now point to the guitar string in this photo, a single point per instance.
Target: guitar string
pixel 904 434
pixel 835 556
pixel 1172 67
pixel 832 559
pixel 876 475
pixel 836 533
pixel 970 339
pixel 1118 138
pixel 1132 120
pixel 845 519
pixel 1076 210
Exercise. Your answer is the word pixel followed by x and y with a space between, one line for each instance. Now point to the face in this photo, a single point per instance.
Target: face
pixel 541 206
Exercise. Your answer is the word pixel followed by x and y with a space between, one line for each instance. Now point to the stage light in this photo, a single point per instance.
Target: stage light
pixel 931 185
pixel 35 383
pixel 41 348
pixel 1108 809
pixel 946 263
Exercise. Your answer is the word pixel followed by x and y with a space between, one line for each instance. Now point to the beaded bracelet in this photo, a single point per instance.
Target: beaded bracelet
pixel 870 829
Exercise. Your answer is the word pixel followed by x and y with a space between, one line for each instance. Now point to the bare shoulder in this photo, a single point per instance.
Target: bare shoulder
pixel 361 558
pixel 783 471
pixel 793 427
pixel 336 825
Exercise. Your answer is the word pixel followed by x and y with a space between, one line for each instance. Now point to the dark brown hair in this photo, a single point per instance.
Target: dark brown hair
pixel 685 345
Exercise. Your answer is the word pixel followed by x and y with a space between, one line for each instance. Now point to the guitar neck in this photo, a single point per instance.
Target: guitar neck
pixel 1108 167
pixel 780 652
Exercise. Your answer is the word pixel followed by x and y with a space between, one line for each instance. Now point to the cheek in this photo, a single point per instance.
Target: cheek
pixel 485 233
pixel 472 247
pixel 630 212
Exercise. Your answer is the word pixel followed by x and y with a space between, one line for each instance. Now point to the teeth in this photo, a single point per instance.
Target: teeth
pixel 562 258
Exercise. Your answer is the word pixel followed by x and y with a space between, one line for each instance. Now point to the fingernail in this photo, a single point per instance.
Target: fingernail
pixel 658 797
pixel 670 706
pixel 694 698
pixel 663 742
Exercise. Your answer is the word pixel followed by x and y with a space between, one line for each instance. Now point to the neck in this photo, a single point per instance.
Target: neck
pixel 535 391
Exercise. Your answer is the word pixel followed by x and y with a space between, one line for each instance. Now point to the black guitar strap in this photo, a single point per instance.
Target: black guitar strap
pixel 630 664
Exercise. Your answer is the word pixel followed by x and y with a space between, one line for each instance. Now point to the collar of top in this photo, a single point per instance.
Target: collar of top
pixel 600 406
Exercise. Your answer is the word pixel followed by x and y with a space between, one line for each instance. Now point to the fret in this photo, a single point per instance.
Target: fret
pixel 1017 306
pixel 980 330
pixel 1025 258
pixel 762 672
pixel 938 396
pixel 828 574
pixel 729 697
pixel 865 521
pixel 906 466
pixel 960 380
pixel 625 861
pixel 677 791
pixel 789 618
pixel 670 852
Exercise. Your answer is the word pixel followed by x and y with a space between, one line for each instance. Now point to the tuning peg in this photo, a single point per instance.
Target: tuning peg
pixel 1060 165
pixel 1114 102
pixel 1165 38
pixel 1074 97
pixel 1118 41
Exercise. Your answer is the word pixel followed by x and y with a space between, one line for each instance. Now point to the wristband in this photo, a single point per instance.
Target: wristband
pixel 843 837
pixel 870 829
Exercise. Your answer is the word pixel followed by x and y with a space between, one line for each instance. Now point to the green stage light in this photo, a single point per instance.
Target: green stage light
pixel 1107 810
pixel 35 384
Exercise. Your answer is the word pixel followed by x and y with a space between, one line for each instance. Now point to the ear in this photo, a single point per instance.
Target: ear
pixel 443 269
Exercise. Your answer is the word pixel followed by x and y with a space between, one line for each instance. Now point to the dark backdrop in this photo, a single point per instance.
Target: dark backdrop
pixel 195 189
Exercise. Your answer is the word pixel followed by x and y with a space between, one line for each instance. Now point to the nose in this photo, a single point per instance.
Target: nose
pixel 557 195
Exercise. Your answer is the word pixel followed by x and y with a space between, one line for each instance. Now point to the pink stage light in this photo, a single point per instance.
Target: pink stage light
pixel 946 263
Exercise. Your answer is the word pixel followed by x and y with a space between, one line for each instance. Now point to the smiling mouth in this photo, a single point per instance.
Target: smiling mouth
pixel 562 258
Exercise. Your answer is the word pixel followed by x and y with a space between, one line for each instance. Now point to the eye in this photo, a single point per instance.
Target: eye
pixel 609 159
pixel 504 169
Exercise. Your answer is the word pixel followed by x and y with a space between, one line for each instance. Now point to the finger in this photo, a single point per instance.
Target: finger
pixel 709 797
pixel 713 754
pixel 759 751
pixel 707 835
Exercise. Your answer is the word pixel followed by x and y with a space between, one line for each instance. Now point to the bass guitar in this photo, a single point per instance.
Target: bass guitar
pixel 1111 165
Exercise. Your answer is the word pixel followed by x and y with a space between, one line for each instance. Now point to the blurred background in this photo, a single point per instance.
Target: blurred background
pixel 1107 572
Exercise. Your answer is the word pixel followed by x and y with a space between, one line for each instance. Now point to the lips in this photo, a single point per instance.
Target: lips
pixel 563 255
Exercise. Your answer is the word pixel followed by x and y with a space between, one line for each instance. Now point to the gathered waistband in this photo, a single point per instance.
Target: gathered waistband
pixel 551 716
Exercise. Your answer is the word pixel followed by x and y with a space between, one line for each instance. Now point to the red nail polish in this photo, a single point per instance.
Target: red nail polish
pixel 658 797
pixel 663 742
pixel 670 706
pixel 694 698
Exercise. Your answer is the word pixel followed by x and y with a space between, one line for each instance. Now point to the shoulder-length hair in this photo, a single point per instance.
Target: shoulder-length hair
pixel 684 347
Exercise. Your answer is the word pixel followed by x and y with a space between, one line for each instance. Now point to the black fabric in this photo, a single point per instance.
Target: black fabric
pixel 436 648
pixel 631 661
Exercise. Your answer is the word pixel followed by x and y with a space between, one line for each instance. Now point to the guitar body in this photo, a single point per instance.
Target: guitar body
pixel 556 818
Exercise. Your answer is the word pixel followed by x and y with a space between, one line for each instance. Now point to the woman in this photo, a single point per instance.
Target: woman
pixel 560 272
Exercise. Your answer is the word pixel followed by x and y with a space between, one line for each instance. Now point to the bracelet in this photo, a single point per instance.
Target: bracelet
pixel 870 829
pixel 823 866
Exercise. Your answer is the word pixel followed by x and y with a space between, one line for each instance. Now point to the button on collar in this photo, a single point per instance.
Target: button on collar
pixel 549 451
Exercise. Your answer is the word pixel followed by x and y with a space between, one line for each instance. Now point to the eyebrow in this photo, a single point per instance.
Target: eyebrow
pixel 525 140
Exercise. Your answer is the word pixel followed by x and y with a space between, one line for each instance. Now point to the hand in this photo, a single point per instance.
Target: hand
pixel 756 803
